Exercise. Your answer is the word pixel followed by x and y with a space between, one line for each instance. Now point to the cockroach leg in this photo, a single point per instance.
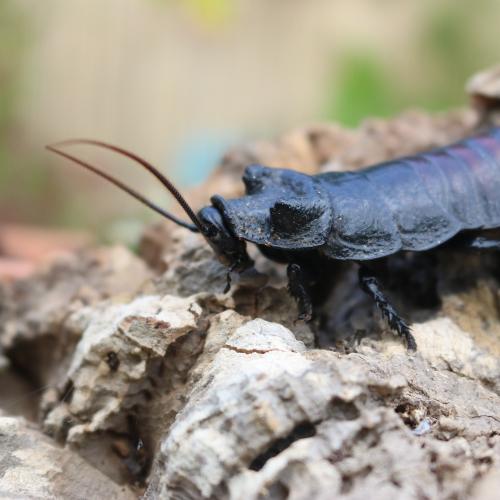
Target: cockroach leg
pixel 370 285
pixel 228 281
pixel 299 290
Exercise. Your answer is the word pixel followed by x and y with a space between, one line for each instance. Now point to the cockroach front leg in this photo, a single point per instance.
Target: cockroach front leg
pixel 370 285
pixel 228 279
pixel 299 290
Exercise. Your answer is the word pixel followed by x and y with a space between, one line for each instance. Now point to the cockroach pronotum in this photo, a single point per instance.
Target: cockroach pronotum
pixel 415 204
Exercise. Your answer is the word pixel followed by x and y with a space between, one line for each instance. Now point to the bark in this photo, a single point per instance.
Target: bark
pixel 32 466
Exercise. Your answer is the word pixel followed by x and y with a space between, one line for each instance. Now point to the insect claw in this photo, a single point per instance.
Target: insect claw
pixel 305 316
pixel 411 343
pixel 228 282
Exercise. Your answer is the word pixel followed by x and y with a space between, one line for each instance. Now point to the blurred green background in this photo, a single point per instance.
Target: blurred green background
pixel 181 81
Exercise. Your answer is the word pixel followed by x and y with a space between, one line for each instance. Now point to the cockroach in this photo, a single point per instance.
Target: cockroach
pixel 415 204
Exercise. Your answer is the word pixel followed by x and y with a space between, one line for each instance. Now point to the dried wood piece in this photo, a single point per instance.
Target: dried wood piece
pixel 32 466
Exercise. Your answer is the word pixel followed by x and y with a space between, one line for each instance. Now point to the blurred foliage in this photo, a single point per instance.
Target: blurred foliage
pixel 11 45
pixel 211 13
pixel 21 186
pixel 364 88
pixel 456 48
pixel 449 50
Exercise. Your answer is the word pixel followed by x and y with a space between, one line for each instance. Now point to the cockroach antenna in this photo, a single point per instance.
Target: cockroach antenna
pixel 196 227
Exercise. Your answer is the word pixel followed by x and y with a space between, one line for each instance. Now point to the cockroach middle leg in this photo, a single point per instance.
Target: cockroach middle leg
pixel 370 285
pixel 299 289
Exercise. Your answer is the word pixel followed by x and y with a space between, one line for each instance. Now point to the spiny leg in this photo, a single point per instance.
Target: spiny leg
pixel 299 290
pixel 370 285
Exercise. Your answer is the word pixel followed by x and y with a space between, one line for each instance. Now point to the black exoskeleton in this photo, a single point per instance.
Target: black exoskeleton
pixel 410 204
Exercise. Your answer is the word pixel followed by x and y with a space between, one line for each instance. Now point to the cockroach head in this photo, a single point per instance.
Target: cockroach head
pixel 230 250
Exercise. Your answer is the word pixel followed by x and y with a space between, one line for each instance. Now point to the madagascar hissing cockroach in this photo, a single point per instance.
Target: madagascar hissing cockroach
pixel 416 204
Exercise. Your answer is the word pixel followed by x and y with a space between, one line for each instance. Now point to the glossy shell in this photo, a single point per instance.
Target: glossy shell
pixel 414 203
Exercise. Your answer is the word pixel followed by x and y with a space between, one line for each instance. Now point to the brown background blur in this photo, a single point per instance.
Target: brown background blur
pixel 181 81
